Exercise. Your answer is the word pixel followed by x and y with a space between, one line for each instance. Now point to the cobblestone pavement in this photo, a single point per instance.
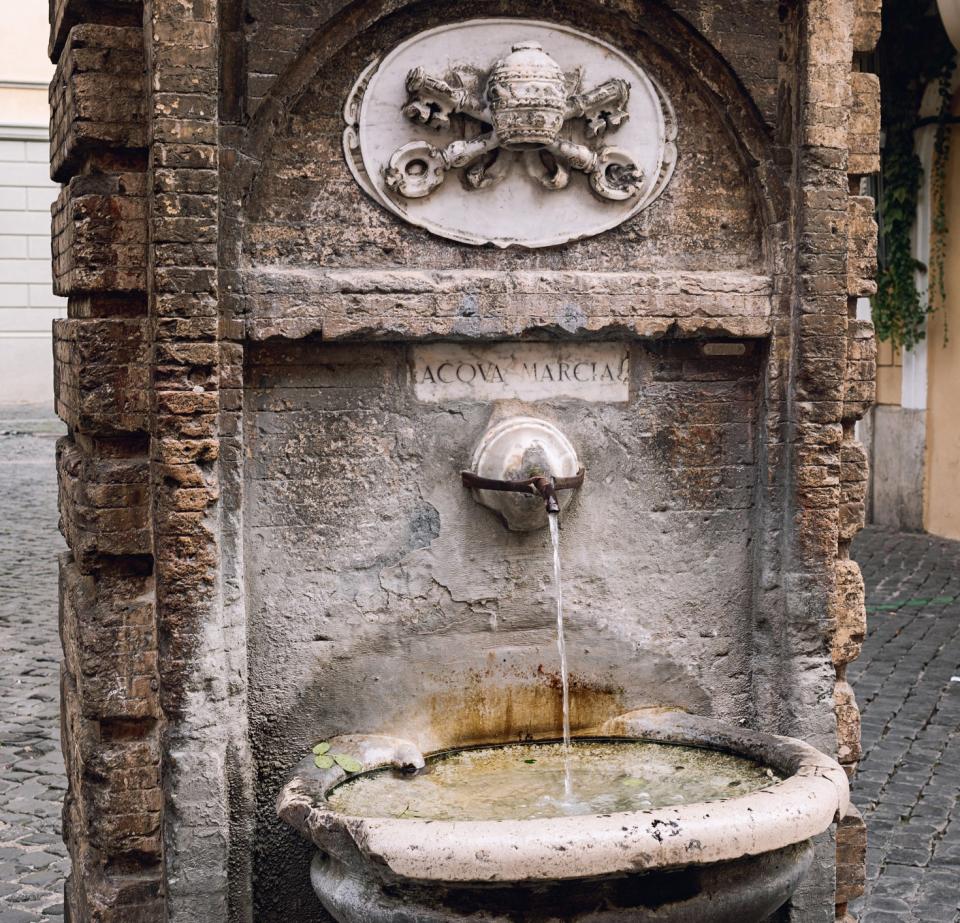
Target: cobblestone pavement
pixel 907 682
pixel 33 859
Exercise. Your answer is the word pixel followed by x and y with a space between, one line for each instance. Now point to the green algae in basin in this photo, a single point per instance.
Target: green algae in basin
pixel 525 781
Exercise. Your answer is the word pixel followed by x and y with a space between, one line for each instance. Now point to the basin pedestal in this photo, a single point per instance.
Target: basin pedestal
pixel 746 890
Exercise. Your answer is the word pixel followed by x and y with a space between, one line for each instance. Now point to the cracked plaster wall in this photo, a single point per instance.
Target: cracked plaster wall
pixel 381 597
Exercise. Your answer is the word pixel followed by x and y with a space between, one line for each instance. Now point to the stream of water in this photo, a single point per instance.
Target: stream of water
pixel 562 646
pixel 549 779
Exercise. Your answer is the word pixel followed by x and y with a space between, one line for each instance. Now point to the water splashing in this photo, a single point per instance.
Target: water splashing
pixel 562 647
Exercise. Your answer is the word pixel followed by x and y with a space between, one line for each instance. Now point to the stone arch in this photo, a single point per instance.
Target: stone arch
pixel 678 39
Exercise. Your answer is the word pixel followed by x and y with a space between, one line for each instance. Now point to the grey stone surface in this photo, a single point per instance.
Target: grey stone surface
pixel 895 438
pixel 33 859
pixel 907 681
pixel 456 630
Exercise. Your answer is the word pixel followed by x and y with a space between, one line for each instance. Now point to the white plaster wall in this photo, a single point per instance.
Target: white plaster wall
pixel 23 41
pixel 27 303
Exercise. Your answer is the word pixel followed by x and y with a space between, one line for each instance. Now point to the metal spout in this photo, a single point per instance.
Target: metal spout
pixel 548 493
pixel 540 486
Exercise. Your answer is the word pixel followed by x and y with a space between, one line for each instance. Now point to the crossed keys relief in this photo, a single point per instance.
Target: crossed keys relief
pixel 516 113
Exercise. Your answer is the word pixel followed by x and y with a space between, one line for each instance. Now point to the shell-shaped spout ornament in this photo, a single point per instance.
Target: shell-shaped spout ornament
pixel 415 170
pixel 512 458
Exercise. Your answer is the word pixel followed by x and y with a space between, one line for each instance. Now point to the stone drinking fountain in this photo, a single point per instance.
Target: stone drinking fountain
pixel 725 858
pixel 486 761
pixel 461 469
pixel 415 826
pixel 498 776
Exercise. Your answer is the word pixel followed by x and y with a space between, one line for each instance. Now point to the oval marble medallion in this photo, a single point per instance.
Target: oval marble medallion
pixel 510 132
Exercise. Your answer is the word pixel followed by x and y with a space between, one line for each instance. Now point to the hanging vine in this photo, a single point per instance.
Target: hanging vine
pixel 919 53
pixel 936 290
pixel 898 313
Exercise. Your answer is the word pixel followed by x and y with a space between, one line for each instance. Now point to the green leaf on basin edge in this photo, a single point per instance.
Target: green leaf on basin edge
pixel 322 761
pixel 347 763
pixel 320 749
pixel 529 761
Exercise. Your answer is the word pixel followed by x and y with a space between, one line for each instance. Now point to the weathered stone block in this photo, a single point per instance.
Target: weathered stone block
pixel 101 374
pixel 104 508
pixel 65 14
pixel 861 247
pixel 108 629
pixel 826 123
pixel 100 234
pixel 866 24
pixel 111 814
pixel 854 473
pixel 863 134
pixel 851 856
pixel 111 898
pixel 97 96
pixel 114 779
pixel 848 723
pixel 848 613
pixel 173 451
pixel 861 370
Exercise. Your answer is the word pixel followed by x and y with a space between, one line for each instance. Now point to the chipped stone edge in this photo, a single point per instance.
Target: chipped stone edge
pixel 801 806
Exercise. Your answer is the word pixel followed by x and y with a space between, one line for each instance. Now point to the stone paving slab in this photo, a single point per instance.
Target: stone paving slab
pixel 33 859
pixel 907 682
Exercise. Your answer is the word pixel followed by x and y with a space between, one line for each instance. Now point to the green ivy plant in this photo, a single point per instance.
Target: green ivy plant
pixel 937 290
pixel 916 52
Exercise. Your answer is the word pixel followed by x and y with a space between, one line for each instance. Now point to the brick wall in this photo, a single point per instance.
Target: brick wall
pixel 847 608
pixel 111 715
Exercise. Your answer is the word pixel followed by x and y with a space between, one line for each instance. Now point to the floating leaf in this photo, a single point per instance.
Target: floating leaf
pixel 631 781
pixel 347 763
pixel 320 749
pixel 529 761
pixel 323 761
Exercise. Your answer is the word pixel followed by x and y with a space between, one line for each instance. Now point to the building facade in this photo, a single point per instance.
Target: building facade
pixel 28 306
pixel 913 434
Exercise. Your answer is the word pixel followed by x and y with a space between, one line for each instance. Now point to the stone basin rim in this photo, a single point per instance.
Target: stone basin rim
pixel 793 810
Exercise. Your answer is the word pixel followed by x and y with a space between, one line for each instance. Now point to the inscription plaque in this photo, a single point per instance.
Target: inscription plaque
pixel 521 371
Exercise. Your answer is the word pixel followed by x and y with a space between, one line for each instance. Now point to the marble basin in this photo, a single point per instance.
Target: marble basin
pixel 733 860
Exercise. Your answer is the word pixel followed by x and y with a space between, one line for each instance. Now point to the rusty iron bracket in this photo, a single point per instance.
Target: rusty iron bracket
pixel 539 486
